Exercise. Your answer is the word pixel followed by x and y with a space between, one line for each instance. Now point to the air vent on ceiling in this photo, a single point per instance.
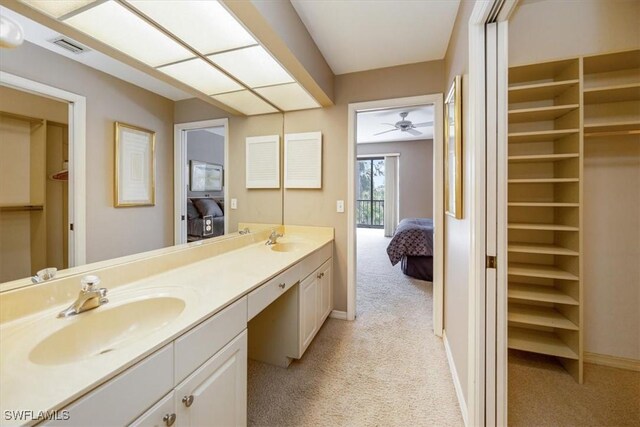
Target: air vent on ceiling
pixel 70 45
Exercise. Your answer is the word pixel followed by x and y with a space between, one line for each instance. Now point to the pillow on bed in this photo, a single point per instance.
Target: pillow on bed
pixel 192 212
pixel 208 207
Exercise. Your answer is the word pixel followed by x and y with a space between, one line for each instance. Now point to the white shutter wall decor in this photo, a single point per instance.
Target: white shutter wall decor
pixel 263 161
pixel 303 160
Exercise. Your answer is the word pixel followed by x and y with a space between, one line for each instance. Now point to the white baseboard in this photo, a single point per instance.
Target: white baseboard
pixel 456 381
pixel 335 314
pixel 612 361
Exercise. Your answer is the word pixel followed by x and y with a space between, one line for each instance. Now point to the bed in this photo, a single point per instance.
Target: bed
pixel 205 218
pixel 412 246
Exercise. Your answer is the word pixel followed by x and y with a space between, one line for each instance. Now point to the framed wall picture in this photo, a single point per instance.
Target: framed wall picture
pixel 205 176
pixel 453 149
pixel 135 161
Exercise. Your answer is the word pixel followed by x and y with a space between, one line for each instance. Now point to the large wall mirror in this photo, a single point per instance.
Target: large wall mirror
pixel 35 149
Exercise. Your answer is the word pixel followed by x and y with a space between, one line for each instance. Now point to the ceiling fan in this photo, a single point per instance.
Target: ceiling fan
pixel 405 125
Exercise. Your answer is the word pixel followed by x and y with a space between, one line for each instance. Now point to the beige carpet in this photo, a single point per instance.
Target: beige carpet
pixel 384 369
pixel 541 393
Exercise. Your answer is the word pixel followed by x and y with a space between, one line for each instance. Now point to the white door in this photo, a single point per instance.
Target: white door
pixel 308 310
pixel 162 414
pixel 325 292
pixel 216 393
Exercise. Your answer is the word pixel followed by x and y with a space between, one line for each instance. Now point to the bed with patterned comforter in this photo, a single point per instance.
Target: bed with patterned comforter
pixel 412 243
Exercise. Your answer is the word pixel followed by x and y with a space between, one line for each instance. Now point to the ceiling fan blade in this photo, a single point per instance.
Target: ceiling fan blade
pixel 385 131
pixel 413 132
pixel 390 124
pixel 423 124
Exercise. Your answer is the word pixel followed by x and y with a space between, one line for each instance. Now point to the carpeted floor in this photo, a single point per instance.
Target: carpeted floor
pixel 384 369
pixel 541 393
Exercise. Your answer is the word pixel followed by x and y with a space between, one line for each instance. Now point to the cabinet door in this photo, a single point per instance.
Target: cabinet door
pixel 162 414
pixel 216 393
pixel 325 298
pixel 308 311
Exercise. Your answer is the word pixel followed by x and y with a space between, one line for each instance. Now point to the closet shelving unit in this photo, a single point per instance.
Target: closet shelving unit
pixel 545 148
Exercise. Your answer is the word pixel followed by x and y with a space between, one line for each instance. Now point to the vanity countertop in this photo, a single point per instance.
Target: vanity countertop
pixel 206 287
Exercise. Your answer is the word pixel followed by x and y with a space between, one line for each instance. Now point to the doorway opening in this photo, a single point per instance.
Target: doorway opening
pixel 201 161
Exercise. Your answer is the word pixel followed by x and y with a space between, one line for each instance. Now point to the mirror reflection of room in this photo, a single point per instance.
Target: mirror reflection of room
pixel 34 197
pixel 205 203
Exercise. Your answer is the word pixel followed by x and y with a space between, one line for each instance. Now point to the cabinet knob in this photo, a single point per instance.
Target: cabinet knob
pixel 282 285
pixel 169 419
pixel 188 400
pixel 319 276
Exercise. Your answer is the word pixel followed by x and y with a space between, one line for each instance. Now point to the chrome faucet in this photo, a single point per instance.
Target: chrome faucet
pixel 273 238
pixel 89 298
pixel 244 231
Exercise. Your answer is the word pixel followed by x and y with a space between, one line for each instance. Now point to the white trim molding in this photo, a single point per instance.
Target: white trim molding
pixel 77 158
pixel 438 198
pixel 612 361
pixel 180 175
pixel 456 380
pixel 337 314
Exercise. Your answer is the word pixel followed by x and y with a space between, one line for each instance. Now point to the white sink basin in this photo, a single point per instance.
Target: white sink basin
pixel 105 329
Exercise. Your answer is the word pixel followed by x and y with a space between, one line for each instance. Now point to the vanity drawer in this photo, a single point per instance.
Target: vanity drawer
pixel 270 291
pixel 120 400
pixel 315 260
pixel 200 343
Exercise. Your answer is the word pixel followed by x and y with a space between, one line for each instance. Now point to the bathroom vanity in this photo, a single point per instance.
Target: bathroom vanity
pixel 169 348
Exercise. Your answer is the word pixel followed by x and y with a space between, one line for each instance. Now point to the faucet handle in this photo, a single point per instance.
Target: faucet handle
pixel 89 283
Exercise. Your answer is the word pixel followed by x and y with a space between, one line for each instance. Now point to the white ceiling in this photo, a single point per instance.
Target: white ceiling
pixel 371 122
pixel 40 35
pixel 357 35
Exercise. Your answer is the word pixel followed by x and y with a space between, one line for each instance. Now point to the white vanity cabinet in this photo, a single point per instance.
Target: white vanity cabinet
pixel 162 414
pixel 315 302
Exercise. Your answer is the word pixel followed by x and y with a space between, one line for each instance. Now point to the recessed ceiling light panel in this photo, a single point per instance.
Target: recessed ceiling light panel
pixel 205 25
pixel 289 97
pixel 57 8
pixel 253 65
pixel 245 102
pixel 116 26
pixel 202 76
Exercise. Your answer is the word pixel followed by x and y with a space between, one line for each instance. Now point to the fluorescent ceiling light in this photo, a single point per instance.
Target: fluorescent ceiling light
pixel 253 65
pixel 245 102
pixel 289 97
pixel 204 25
pixel 116 26
pixel 202 76
pixel 57 8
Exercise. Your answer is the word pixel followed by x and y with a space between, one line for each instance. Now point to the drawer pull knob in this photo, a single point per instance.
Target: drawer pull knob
pixel 282 285
pixel 169 419
pixel 188 400
pixel 319 276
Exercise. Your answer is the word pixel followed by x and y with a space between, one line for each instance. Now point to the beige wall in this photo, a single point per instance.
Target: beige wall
pixel 255 205
pixel 546 30
pixel 457 245
pixel 111 232
pixel 542 30
pixel 415 174
pixel 318 207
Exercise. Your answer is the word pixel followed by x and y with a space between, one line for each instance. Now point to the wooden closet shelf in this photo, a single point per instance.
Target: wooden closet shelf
pixel 614 93
pixel 539 270
pixel 541 136
pixel 540 248
pixel 19 208
pixel 539 342
pixel 530 158
pixel 539 293
pixel 590 128
pixel 544 204
pixel 613 133
pixel 539 316
pixel 541 227
pixel 543 180
pixel 540 113
pixel 539 91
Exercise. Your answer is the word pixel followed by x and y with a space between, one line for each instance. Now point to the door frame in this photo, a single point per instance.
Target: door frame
pixel 180 174
pixel 437 100
pixel 77 105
